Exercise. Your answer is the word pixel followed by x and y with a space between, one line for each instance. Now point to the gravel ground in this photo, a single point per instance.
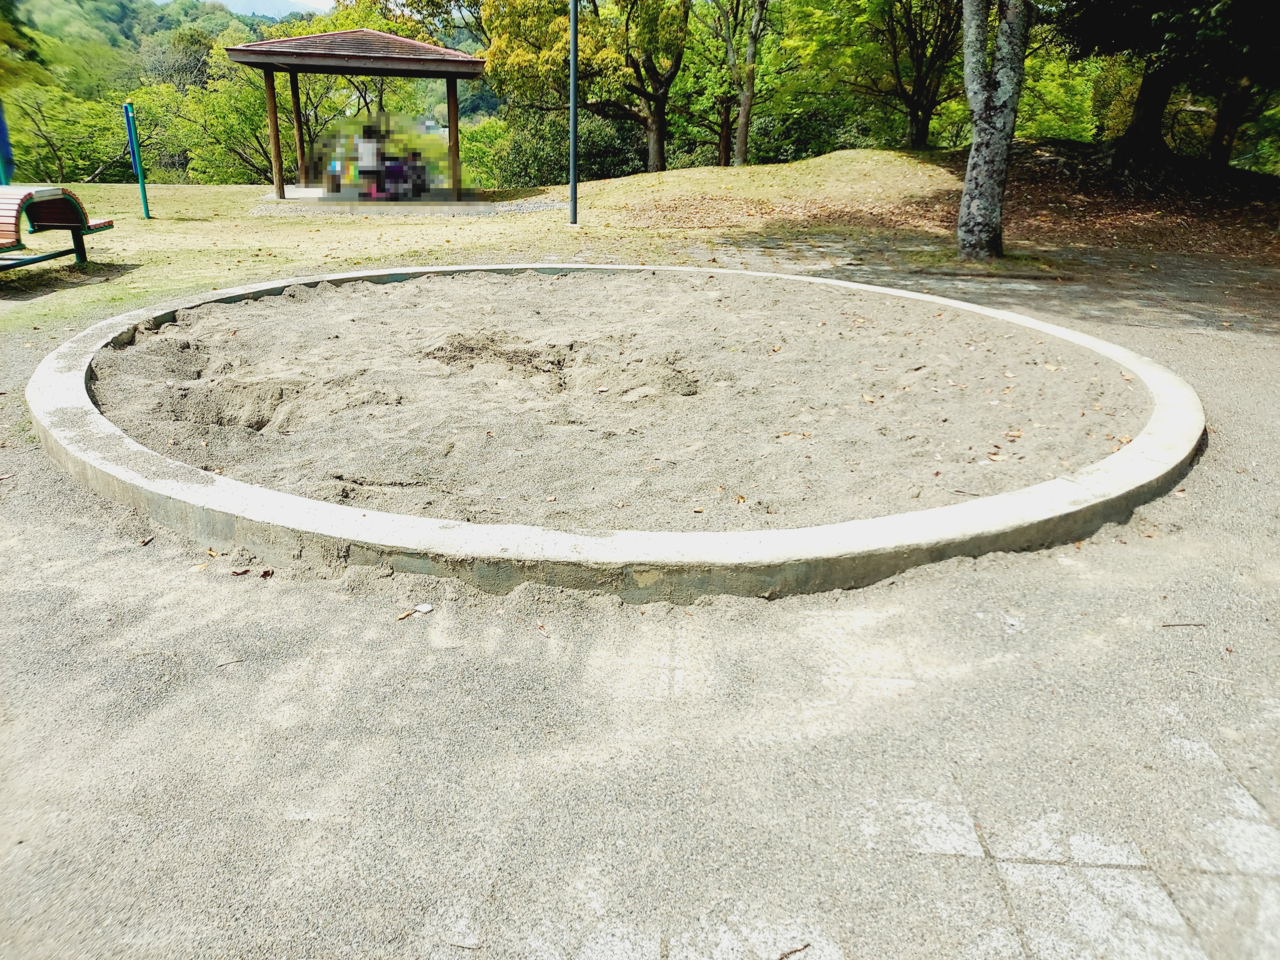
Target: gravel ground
pixel 634 401
pixel 1071 752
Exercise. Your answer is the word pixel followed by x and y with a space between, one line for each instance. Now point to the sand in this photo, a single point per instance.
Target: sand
pixel 617 401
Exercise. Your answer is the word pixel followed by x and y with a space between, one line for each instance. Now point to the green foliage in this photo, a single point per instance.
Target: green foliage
pixel 19 57
pixel 902 53
pixel 629 55
pixel 810 129
pixel 830 74
pixel 482 145
pixel 1262 141
pixel 1057 97
pixel 532 149
pixel 59 138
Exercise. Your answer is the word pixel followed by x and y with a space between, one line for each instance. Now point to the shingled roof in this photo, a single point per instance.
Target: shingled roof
pixel 362 52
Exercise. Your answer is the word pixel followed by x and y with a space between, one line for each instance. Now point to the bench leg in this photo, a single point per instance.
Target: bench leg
pixel 77 240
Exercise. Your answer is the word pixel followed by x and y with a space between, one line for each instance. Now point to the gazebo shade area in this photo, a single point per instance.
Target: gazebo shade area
pixel 368 53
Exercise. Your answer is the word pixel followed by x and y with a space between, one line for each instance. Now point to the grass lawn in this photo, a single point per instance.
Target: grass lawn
pixel 870 203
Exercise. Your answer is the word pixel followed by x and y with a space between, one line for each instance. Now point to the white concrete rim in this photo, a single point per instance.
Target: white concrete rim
pixel 638 565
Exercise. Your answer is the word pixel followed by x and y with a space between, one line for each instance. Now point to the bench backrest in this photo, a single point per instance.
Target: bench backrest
pixel 46 208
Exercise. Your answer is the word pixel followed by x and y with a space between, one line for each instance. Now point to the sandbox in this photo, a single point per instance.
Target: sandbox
pixel 656 432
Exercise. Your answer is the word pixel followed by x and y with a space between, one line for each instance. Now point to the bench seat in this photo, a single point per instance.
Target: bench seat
pixel 46 208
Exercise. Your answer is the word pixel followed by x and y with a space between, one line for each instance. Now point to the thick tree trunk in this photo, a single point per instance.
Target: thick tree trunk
pixel 981 224
pixel 1144 137
pixel 1232 106
pixel 656 131
pixel 993 92
pixel 725 144
pixel 918 121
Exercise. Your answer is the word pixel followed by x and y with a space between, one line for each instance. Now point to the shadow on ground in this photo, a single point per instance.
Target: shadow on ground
pixel 28 283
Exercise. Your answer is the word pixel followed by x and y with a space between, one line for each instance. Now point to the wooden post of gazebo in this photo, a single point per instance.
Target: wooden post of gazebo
pixel 362 52
pixel 455 152
pixel 297 128
pixel 273 122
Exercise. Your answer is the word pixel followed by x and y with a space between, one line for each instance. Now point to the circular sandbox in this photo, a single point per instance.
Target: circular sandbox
pixel 769 434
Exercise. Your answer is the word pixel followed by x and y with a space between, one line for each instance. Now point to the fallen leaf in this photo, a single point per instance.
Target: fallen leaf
pixel 406 615
pixel 740 498
pixel 211 552
pixel 1050 367
pixel 697 509
pixel 867 397
pixel 6 476
pixel 1179 493
pixel 196 567
pixel 1011 376
pixel 551 499
pixel 1126 376
pixel 143 543
pixel 239 573
pixel 1014 434
pixel 267 574
pixel 996 457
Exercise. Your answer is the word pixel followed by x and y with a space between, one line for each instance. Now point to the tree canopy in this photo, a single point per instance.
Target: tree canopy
pixel 665 83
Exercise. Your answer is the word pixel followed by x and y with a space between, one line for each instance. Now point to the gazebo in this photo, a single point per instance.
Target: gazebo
pixel 368 53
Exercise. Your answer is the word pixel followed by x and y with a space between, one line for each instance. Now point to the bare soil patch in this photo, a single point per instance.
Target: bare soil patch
pixel 609 401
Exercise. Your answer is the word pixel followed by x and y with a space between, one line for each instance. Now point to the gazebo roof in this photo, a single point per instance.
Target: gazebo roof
pixel 362 52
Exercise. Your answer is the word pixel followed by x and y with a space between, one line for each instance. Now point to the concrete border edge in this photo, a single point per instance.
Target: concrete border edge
pixel 638 566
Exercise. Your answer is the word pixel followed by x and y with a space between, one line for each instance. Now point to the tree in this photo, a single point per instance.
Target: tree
pixel 180 57
pixel 19 59
pixel 1141 29
pixel 1228 49
pixel 993 74
pixel 629 57
pixel 739 25
pixel 901 51
pixel 731 62
pixel 1237 61
pixel 433 21
pixel 702 97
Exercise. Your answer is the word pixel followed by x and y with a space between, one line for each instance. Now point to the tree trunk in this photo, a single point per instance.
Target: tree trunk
pixel 745 102
pixel 993 94
pixel 1232 106
pixel 656 131
pixel 918 121
pixel 1144 137
pixel 724 149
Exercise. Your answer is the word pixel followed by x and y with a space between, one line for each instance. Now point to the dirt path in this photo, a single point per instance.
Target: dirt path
pixel 1075 747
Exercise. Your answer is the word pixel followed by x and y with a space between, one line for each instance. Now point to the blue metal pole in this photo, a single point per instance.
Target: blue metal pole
pixel 6 153
pixel 135 154
pixel 573 111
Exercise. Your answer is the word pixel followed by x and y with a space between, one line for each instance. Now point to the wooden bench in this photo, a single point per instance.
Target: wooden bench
pixel 46 208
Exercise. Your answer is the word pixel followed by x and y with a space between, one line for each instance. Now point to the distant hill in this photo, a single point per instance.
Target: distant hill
pixel 275 8
pixel 119 22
